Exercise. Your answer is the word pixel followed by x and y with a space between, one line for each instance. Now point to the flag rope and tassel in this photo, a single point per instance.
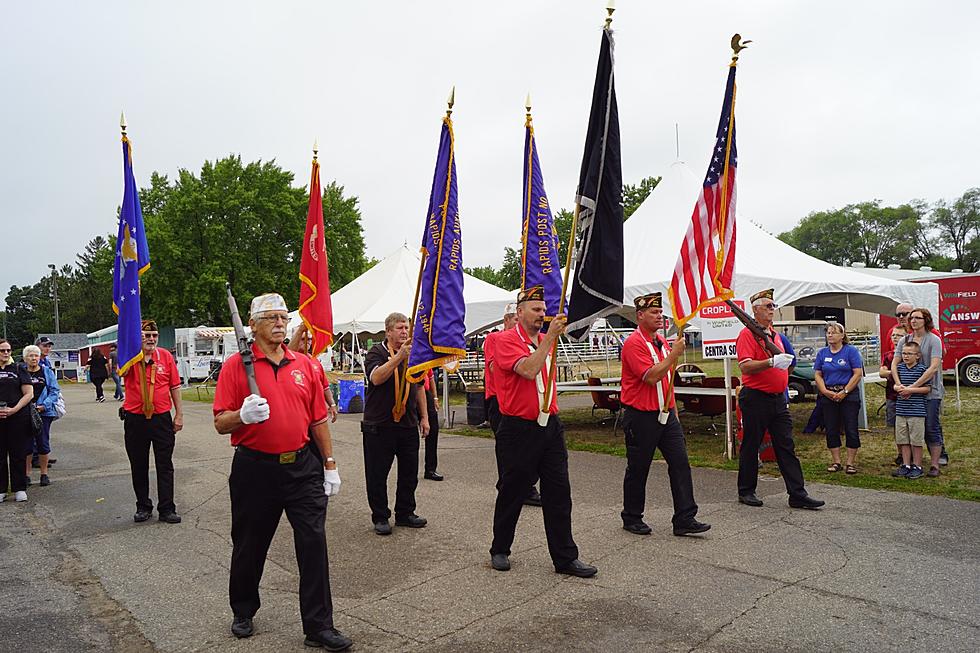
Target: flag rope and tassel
pixel 401 384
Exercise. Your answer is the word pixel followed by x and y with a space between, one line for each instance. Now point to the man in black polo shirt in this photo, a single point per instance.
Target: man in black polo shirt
pixel 394 415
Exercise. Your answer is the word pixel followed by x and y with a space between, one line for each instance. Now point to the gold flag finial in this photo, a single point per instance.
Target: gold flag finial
pixel 450 101
pixel 738 45
pixel 610 8
pixel 316 147
pixel 122 121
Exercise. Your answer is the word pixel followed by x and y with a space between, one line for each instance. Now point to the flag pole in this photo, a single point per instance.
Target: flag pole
pixel 553 370
pixel 737 46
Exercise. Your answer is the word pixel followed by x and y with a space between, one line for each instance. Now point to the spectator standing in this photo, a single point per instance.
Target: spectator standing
pixel 15 396
pixel 42 378
pixel 114 372
pixel 837 370
pixel 910 413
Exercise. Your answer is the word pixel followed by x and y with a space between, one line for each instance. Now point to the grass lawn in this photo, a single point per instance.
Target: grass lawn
pixel 959 480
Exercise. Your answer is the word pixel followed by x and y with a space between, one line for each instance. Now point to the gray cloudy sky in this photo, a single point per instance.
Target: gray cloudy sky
pixel 838 102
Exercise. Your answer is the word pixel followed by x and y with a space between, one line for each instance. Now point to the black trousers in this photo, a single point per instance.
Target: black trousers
pixel 762 411
pixel 98 387
pixel 644 435
pixel 15 443
pixel 524 451
pixel 260 491
pixel 382 444
pixel 140 434
pixel 432 440
pixel 493 413
pixel 837 414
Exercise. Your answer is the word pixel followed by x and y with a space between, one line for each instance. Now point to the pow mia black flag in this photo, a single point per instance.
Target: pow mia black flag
pixel 597 288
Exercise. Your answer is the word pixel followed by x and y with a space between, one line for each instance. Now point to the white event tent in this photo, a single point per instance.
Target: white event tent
pixel 653 236
pixel 389 286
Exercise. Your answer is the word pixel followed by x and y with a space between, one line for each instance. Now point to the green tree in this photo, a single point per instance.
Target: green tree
pixel 957 225
pixel 635 194
pixel 85 295
pixel 345 236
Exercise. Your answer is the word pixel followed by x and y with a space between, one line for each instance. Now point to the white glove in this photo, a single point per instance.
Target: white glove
pixel 254 409
pixel 331 482
pixel 782 361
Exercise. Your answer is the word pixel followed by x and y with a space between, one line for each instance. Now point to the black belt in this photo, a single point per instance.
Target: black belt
pixel 771 395
pixel 284 458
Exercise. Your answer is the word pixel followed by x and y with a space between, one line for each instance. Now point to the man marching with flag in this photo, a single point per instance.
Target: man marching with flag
pixel 152 379
pixel 703 275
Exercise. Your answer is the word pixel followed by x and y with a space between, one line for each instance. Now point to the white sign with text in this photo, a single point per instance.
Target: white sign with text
pixel 720 329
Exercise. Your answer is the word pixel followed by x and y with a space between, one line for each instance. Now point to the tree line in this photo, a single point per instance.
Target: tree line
pixel 243 223
pixel 943 235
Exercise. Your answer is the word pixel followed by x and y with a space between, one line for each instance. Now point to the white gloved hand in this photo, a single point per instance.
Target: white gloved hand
pixel 254 409
pixel 331 482
pixel 782 361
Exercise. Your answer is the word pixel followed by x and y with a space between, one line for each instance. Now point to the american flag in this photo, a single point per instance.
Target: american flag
pixel 706 264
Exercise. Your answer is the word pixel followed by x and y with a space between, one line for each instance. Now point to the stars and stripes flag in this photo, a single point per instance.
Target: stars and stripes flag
pixel 706 264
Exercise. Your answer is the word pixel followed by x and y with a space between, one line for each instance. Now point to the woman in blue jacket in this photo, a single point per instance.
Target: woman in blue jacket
pixel 46 395
pixel 838 369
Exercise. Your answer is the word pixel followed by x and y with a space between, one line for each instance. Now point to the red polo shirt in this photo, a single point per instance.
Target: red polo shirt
pixel 161 373
pixel 748 347
pixel 636 361
pixel 295 396
pixel 518 396
pixel 488 382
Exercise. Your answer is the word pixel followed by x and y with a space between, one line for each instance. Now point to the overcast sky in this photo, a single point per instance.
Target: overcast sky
pixel 838 102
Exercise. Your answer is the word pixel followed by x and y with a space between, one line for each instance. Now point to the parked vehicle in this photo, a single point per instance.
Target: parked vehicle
pixel 197 348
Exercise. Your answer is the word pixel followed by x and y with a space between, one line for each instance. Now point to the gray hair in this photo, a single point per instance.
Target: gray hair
pixel 32 349
pixel 394 319
pixel 837 326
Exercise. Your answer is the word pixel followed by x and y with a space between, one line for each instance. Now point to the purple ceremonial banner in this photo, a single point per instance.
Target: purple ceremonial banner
pixel 539 240
pixel 439 329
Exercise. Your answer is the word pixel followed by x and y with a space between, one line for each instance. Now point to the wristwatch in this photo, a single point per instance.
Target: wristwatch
pixel 330 459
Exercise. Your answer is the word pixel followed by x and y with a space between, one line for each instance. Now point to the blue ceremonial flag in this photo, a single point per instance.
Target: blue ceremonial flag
pixel 439 329
pixel 132 260
pixel 539 239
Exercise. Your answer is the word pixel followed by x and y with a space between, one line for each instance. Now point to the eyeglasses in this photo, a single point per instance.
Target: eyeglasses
pixel 916 317
pixel 273 319
pixel 769 306
pixel 151 336
pixel 901 314
pixel 4 351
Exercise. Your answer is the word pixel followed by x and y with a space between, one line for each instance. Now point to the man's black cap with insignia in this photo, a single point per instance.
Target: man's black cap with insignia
pixel 762 294
pixel 653 300
pixel 534 293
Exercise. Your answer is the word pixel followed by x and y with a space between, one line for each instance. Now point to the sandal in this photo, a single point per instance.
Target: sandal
pixel 835 467
pixel 851 469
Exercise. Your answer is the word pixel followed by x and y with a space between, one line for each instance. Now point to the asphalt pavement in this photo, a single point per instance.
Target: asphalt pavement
pixel 873 571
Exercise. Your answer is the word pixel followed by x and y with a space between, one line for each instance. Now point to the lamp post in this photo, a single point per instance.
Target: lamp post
pixel 54 292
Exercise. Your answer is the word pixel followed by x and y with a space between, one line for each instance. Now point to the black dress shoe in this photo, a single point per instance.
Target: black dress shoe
pixel 330 639
pixel 382 527
pixel 577 568
pixel 45 481
pixel 433 476
pixel 534 498
pixel 500 562
pixel 807 503
pixel 638 528
pixel 750 500
pixel 242 627
pixel 411 521
pixel 142 515
pixel 691 528
pixel 170 518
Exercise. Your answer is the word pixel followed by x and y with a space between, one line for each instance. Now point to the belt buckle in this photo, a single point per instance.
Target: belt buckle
pixel 287 458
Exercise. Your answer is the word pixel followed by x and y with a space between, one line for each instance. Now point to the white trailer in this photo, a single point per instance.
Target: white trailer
pixel 198 347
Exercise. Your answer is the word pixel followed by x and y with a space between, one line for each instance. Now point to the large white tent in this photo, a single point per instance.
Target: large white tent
pixel 363 304
pixel 653 236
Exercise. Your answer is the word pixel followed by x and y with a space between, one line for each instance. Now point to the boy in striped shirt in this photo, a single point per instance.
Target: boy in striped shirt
pixel 910 412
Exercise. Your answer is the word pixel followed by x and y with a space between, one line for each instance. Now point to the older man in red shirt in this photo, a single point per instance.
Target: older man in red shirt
pixel 152 389
pixel 763 404
pixel 276 470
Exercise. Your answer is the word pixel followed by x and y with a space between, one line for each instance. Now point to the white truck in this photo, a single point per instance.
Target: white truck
pixel 197 347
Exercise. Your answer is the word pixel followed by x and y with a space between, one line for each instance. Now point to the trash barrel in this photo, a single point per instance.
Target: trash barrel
pixel 476 408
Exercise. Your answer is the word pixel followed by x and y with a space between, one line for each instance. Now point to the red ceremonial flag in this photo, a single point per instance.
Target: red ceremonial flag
pixel 706 263
pixel 314 273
